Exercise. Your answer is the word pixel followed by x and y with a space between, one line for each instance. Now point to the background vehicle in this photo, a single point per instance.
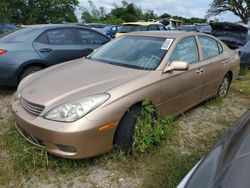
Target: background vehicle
pixel 110 30
pixel 234 35
pixel 245 55
pixel 33 48
pixel 187 28
pixel 227 165
pixel 96 26
pixel 97 100
pixel 139 26
pixel 6 27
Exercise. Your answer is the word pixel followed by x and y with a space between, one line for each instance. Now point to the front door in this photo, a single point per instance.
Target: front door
pixel 182 89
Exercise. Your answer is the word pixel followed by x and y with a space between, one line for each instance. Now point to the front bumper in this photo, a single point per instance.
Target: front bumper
pixel 80 139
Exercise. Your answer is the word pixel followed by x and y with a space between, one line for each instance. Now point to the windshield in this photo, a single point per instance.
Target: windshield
pixel 145 53
pixel 131 28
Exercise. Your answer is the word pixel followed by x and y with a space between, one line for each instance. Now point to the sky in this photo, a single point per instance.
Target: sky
pixel 185 8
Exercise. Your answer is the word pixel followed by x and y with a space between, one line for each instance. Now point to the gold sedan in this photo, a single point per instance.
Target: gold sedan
pixel 84 107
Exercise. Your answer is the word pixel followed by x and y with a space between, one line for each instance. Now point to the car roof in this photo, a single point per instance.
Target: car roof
pixel 142 23
pixel 38 26
pixel 164 34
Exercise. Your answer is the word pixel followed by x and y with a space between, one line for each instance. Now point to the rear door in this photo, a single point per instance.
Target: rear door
pixel 90 40
pixel 182 89
pixel 215 65
pixel 58 45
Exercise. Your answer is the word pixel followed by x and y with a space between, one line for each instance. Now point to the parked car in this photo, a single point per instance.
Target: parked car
pixel 187 28
pixel 227 165
pixel 234 35
pixel 110 30
pixel 245 55
pixel 84 107
pixel 139 26
pixel 97 26
pixel 203 28
pixel 7 27
pixel 33 48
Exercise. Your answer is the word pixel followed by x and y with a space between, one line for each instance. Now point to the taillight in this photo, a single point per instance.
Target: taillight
pixel 2 51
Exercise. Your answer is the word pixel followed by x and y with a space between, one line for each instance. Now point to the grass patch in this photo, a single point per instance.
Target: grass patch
pixel 26 159
pixel 242 87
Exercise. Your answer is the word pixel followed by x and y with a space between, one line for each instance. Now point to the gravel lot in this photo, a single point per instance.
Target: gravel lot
pixel 200 127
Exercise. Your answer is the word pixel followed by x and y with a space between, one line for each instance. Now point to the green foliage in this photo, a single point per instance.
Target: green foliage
pixel 28 159
pixel 239 8
pixel 242 86
pixel 38 12
pixel 165 15
pixel 190 21
pixel 128 12
pixel 148 131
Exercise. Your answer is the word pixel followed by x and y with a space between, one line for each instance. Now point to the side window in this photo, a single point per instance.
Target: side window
pixel 209 46
pixel 58 37
pixel 153 27
pixel 91 37
pixel 162 27
pixel 186 50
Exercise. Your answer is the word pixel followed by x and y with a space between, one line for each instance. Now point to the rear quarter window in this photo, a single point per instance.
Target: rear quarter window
pixel 210 47
pixel 91 37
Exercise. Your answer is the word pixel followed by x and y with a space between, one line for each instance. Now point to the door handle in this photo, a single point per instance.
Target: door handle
pixel 224 62
pixel 199 71
pixel 43 50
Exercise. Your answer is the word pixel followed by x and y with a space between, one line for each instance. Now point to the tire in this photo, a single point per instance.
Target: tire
pixel 224 86
pixel 29 70
pixel 123 139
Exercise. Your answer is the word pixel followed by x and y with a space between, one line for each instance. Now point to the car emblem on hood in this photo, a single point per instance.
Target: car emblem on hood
pixel 32 91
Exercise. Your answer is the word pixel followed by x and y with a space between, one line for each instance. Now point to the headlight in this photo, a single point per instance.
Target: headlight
pixel 73 111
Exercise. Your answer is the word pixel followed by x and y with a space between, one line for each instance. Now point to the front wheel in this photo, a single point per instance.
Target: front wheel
pixel 224 86
pixel 28 71
pixel 125 131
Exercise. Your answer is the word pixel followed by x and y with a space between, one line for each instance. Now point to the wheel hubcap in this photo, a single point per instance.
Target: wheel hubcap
pixel 224 87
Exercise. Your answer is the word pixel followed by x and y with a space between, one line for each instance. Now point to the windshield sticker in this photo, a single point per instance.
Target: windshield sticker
pixel 166 44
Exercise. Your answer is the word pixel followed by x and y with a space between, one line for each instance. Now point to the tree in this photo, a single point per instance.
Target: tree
pixel 165 15
pixel 149 14
pixel 37 11
pixel 129 12
pixel 238 7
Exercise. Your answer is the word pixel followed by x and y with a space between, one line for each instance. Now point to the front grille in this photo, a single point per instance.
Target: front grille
pixel 35 109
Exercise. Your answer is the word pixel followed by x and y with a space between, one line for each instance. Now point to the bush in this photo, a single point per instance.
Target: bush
pixel 148 131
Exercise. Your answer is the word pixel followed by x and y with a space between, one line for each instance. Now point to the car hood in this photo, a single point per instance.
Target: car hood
pixel 234 35
pixel 75 79
pixel 228 163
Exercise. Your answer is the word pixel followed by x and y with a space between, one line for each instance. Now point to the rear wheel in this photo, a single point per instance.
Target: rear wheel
pixel 224 86
pixel 125 131
pixel 29 70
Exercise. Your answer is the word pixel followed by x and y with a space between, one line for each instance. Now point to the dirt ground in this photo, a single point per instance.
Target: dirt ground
pixel 196 128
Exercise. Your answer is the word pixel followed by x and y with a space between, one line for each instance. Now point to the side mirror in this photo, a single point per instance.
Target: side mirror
pixel 176 65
